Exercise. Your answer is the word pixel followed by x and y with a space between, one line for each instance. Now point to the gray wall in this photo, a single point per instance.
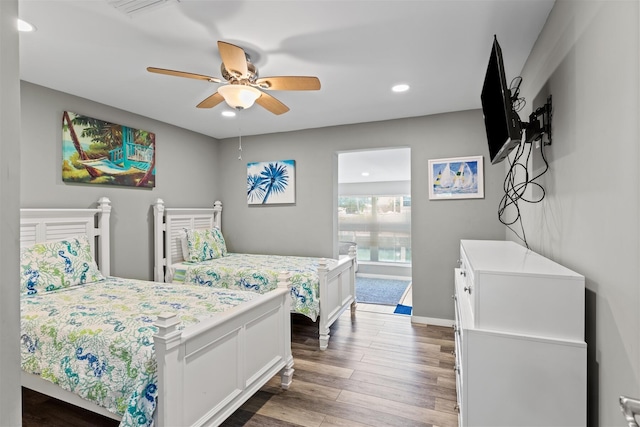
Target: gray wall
pixel 308 227
pixel 587 58
pixel 10 397
pixel 185 173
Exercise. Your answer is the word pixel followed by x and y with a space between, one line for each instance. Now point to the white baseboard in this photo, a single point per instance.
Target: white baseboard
pixel 432 321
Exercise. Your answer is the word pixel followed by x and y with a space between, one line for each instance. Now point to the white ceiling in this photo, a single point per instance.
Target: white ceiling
pixel 358 49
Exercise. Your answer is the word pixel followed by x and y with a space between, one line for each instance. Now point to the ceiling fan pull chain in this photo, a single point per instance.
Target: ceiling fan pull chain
pixel 239 139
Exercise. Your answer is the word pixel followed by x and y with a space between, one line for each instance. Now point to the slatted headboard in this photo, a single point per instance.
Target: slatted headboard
pixel 39 225
pixel 169 225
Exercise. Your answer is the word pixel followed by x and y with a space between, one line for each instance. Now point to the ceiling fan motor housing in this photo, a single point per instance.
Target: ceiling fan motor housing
pixel 252 73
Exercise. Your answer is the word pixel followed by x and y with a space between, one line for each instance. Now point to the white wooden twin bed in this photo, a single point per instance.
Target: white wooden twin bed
pixel 199 355
pixel 322 289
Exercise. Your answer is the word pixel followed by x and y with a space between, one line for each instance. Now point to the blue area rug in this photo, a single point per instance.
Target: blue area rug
pixel 380 291
pixel 403 309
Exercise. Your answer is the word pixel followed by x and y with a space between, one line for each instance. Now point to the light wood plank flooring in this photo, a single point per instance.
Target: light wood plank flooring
pixel 379 370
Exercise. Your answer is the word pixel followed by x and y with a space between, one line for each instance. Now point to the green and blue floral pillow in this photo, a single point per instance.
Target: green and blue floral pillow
pixel 202 245
pixel 50 266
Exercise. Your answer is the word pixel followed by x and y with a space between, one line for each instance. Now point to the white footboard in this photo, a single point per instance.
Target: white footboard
pixel 209 370
pixel 337 292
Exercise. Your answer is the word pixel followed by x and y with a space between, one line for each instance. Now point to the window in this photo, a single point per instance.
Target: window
pixel 380 225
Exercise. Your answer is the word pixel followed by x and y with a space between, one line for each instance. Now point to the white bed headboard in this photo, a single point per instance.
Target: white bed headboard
pixel 39 225
pixel 169 225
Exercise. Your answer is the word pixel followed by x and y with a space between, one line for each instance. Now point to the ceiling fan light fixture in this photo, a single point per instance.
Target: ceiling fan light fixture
pixel 238 96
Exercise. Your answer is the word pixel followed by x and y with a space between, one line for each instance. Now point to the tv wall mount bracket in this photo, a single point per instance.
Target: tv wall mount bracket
pixel 539 124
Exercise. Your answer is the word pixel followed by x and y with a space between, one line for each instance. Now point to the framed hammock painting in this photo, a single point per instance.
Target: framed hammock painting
pixel 456 178
pixel 99 152
pixel 270 183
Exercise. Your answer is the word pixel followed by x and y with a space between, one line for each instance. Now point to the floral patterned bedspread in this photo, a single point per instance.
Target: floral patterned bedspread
pixel 96 340
pixel 258 273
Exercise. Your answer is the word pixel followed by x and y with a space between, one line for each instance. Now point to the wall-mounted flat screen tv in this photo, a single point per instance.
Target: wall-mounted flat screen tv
pixel 501 121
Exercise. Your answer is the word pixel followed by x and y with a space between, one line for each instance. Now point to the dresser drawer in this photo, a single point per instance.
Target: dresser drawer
pixel 458 352
pixel 512 289
pixel 468 280
pixel 464 295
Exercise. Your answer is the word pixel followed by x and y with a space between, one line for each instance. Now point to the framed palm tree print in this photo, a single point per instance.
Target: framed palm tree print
pixel 270 183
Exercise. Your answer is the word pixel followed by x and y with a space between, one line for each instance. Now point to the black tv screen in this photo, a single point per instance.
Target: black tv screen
pixel 500 119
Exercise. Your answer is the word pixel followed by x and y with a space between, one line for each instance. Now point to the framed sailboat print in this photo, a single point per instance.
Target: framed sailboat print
pixel 456 178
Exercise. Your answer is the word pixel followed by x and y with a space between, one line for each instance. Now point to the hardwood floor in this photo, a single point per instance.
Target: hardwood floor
pixel 379 370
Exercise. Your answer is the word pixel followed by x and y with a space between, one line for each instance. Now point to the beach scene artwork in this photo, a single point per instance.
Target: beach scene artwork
pixel 271 182
pixel 98 152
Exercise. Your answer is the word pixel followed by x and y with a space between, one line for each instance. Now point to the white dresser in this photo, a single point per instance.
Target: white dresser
pixel 519 338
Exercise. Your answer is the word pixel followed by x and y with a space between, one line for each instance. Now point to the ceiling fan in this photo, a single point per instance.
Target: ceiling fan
pixel 243 87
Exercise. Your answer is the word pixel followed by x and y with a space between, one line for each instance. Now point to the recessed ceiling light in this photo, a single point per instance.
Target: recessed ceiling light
pixel 24 26
pixel 228 113
pixel 365 173
pixel 400 88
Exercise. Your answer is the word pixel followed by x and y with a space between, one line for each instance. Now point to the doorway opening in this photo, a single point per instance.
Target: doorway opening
pixel 374 213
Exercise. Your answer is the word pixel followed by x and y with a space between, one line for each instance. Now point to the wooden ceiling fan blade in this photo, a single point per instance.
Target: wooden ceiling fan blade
pixel 289 83
pixel 211 101
pixel 183 74
pixel 272 104
pixel 234 59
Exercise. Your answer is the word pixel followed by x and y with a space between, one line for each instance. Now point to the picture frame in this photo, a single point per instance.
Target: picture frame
pixel 456 178
pixel 95 151
pixel 271 183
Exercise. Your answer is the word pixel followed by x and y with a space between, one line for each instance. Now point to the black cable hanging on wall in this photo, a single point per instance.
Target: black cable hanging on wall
pixel 518 177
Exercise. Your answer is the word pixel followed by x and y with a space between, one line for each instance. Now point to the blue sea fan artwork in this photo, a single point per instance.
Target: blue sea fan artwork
pixel 271 182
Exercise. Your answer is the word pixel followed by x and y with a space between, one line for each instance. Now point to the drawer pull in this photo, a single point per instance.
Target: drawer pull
pixel 467 289
pixel 463 273
pixel 453 352
pixel 456 408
